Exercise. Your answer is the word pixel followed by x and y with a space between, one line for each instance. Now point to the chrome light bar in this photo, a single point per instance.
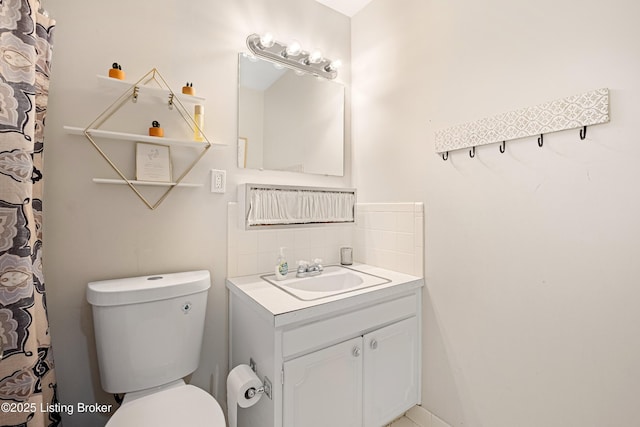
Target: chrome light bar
pixel 296 58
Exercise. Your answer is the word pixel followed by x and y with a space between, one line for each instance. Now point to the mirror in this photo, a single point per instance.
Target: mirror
pixel 289 122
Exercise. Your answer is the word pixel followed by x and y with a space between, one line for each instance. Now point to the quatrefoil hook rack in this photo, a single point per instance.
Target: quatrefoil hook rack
pixel 571 112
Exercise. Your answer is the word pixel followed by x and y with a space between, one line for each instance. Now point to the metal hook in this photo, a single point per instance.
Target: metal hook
pixel 540 140
pixel 445 156
pixel 583 133
pixel 136 90
pixel 472 152
pixel 171 101
pixel 503 146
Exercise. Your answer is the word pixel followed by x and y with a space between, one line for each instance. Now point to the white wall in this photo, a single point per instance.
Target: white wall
pixel 95 232
pixel 531 304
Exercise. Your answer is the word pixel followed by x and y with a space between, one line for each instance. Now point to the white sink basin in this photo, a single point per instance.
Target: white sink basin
pixel 334 280
pixel 327 283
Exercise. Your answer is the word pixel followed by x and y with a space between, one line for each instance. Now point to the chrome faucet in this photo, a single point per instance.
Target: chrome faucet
pixel 305 269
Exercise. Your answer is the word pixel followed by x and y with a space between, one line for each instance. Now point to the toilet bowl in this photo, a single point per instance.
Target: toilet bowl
pixel 148 338
pixel 178 404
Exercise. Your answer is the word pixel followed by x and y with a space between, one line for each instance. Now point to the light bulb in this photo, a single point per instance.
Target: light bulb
pixel 266 40
pixel 315 57
pixel 334 65
pixel 293 48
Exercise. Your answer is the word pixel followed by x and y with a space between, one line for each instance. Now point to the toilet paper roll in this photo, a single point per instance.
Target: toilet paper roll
pixel 240 381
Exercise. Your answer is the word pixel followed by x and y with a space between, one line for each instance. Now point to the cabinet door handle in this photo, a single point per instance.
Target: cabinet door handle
pixel 373 344
pixel 356 351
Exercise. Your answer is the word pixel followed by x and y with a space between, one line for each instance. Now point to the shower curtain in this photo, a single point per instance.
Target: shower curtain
pixel 27 380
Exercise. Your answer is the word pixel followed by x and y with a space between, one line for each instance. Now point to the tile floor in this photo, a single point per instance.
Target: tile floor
pixel 403 422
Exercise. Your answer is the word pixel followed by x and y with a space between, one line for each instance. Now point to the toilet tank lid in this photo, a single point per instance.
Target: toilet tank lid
pixel 134 290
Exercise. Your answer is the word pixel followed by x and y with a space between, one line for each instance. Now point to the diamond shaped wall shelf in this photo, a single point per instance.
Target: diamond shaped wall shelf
pixel 151 84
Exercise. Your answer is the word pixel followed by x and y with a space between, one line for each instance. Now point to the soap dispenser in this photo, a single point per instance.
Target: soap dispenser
pixel 282 267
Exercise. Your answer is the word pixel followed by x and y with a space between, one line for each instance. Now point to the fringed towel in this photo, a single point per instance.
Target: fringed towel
pixel 280 206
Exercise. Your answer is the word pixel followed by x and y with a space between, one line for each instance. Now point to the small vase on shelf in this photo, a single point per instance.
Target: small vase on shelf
pixel 156 130
pixel 116 72
pixel 187 89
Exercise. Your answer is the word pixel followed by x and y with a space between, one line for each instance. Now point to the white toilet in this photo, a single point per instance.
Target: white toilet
pixel 148 336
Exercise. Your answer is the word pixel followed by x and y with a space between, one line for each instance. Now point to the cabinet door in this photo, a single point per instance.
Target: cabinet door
pixel 324 388
pixel 391 372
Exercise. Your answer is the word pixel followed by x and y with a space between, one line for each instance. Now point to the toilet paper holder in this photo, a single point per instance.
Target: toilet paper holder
pixel 264 389
pixel 250 393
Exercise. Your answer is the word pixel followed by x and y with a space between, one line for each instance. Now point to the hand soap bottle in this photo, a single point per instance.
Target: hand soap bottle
pixel 282 267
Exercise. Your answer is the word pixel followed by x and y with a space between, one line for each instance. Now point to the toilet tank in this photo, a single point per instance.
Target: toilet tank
pixel 148 329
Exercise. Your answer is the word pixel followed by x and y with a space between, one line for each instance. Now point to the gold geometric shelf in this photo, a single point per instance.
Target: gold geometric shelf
pixel 131 94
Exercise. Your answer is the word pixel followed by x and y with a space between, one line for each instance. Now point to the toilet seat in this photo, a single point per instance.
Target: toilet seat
pixel 185 405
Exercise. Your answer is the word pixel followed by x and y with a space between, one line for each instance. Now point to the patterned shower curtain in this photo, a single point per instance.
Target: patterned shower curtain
pixel 27 380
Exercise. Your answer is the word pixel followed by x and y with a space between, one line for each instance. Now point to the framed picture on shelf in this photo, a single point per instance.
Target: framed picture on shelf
pixel 153 162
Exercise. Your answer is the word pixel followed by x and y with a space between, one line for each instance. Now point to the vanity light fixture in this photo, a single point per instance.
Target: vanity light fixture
pixel 292 56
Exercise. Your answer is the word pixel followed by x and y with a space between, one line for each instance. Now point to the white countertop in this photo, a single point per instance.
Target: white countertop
pixel 283 308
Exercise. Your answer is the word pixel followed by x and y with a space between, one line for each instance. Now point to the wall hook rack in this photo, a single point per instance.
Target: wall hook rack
pixel 503 147
pixel 583 133
pixel 572 112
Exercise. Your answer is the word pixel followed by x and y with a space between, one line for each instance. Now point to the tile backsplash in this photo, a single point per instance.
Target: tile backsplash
pixel 255 251
pixel 387 235
pixel 391 236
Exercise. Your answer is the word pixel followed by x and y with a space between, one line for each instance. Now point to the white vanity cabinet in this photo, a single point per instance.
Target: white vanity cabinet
pixel 352 361
pixel 365 381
